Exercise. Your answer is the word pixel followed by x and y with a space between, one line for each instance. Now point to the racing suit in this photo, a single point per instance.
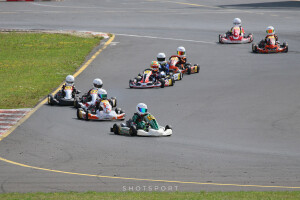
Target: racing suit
pixel 262 43
pixel 90 100
pixel 242 31
pixel 154 76
pixel 74 91
pixel 164 67
pixel 139 121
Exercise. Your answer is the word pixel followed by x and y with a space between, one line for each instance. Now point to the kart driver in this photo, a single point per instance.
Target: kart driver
pixel 69 82
pixel 155 71
pixel 237 22
pixel 97 85
pixel 181 55
pixel 138 117
pixel 163 65
pixel 270 33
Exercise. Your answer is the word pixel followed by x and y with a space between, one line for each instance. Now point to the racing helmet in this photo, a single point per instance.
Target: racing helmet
pixel 270 30
pixel 237 22
pixel 97 83
pixel 141 109
pixel 161 58
pixel 154 66
pixel 102 94
pixel 70 80
pixel 181 51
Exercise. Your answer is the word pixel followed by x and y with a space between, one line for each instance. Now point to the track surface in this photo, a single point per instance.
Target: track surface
pixel 237 122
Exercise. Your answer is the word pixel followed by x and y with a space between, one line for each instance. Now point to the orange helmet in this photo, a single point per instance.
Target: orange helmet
pixel 154 66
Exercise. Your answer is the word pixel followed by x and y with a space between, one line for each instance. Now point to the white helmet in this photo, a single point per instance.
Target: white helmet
pixel 70 80
pixel 102 94
pixel 161 58
pixel 141 109
pixel 270 30
pixel 97 83
pixel 181 51
pixel 237 22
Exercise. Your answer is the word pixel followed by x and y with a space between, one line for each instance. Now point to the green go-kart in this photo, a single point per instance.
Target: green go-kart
pixel 151 128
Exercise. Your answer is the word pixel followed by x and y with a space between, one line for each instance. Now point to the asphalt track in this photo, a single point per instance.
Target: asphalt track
pixel 236 122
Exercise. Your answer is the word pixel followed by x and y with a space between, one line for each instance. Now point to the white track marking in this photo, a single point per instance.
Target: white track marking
pixel 162 38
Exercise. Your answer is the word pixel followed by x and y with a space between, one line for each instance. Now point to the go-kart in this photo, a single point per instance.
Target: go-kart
pixel 271 47
pixel 146 81
pixel 105 113
pixel 81 102
pixel 64 97
pixel 151 129
pixel 188 68
pixel 235 38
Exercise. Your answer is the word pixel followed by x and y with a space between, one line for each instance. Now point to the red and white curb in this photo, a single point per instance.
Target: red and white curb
pixel 9 117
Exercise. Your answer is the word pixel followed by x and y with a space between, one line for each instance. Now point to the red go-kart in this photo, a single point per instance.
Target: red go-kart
pixel 235 38
pixel 271 47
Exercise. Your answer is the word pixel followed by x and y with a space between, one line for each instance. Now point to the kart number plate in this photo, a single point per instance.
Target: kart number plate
pixel 94 92
pixel 147 72
pixel 68 88
pixel 151 117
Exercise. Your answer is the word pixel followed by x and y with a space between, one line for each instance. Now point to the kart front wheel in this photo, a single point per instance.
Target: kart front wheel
pixel 50 100
pixel 87 115
pixel 220 39
pixel 188 69
pixel 116 129
pixel 133 131
pixel 78 113
pixel 254 48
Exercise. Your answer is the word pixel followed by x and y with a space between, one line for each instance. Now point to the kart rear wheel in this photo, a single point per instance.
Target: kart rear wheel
pixel 119 111
pixel 162 81
pixel 168 127
pixel 133 131
pixel 173 81
pixel 116 129
pixel 285 45
pixel 198 68
pixel 87 115
pixel 113 101
pixel 78 113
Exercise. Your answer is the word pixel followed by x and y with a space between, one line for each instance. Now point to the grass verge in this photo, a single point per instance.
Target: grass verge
pixel 33 64
pixel 156 195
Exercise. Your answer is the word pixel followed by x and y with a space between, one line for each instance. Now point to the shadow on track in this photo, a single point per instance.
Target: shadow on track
pixel 268 5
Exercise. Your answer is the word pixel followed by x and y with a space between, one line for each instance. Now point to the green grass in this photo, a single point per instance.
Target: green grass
pixel 295 195
pixel 33 64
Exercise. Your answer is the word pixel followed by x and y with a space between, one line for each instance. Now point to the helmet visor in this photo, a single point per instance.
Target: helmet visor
pixel 143 110
pixel 180 53
pixel 102 96
pixel 161 59
pixel 70 82
pixel 270 31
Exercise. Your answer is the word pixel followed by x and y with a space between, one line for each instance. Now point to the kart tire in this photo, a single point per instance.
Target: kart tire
pixel 168 127
pixel 76 102
pixel 220 39
pixel 78 111
pixel 188 69
pixel 198 68
pixel 87 115
pixel 133 131
pixel 162 81
pixel 250 35
pixel 181 76
pixel 116 129
pixel 113 101
pixel 50 100
pixel 130 81
pixel 173 81
pixel 254 48
pixel 119 111
pixel 285 45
